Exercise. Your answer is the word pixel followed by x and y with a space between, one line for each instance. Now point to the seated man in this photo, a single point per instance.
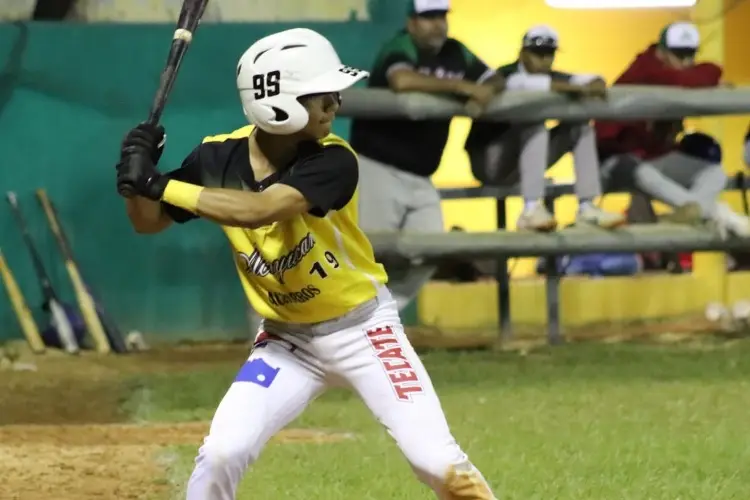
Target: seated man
pixel 647 156
pixel 499 152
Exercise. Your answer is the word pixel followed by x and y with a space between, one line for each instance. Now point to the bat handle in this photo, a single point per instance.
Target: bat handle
pixel 153 117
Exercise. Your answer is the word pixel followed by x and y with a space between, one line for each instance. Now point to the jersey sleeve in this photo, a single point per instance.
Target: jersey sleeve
pixel 399 53
pixel 327 180
pixel 189 171
pixel 476 69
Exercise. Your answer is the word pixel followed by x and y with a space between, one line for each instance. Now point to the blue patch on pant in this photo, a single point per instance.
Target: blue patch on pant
pixel 257 371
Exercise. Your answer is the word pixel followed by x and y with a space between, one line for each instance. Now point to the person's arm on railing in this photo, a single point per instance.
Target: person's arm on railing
pixel 556 81
pixel 478 71
pixel 705 74
pixel 405 79
pixel 479 82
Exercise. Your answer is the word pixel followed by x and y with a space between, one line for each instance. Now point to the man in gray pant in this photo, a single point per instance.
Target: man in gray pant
pixel 397 157
pixel 503 153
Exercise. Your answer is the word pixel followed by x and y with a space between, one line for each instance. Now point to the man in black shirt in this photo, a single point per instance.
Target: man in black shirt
pixel 398 156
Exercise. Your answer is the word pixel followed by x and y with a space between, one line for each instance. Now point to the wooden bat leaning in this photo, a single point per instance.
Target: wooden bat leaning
pixel 23 314
pixel 187 23
pixel 114 336
pixel 59 317
pixel 85 301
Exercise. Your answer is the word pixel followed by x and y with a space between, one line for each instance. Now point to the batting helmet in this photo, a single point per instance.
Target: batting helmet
pixel 280 68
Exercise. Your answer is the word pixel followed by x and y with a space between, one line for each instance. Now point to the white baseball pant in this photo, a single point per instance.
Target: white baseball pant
pixel 292 364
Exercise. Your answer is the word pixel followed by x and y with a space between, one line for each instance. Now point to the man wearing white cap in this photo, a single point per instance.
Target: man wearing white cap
pixel 647 155
pixel 398 156
pixel 499 152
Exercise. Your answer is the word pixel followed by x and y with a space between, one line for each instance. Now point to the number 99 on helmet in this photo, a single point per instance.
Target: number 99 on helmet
pixel 279 69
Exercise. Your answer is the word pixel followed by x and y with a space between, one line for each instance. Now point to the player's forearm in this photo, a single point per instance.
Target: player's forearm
pixel 411 81
pixel 228 207
pixel 146 216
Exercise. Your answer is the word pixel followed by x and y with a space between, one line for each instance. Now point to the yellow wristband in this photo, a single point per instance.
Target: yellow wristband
pixel 183 195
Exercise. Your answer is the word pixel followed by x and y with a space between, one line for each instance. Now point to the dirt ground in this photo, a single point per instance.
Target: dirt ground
pixel 62 435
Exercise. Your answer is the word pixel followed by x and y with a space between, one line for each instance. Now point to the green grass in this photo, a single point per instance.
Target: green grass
pixel 576 422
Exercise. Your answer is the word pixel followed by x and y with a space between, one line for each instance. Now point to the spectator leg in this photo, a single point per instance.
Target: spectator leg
pixel 382 207
pixel 578 138
pixel 586 163
pixel 688 180
pixel 424 214
pixel 532 161
pixel 382 197
pixel 650 180
pixel 707 186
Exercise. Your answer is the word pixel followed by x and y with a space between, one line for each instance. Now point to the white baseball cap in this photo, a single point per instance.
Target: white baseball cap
pixel 419 7
pixel 682 35
pixel 278 69
pixel 540 36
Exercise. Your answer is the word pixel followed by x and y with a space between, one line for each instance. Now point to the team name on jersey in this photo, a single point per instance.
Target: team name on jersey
pixel 256 264
pixel 298 297
pixel 441 72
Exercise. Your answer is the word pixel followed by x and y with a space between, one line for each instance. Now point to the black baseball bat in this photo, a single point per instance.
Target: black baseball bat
pixel 187 23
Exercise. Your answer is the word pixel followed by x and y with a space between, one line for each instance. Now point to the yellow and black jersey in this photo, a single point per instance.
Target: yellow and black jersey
pixel 311 268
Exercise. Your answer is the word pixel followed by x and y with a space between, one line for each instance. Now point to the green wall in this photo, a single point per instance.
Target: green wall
pixel 68 93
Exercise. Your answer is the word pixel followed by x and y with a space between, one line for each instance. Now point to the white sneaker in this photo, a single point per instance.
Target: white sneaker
pixel 536 218
pixel 730 222
pixel 593 215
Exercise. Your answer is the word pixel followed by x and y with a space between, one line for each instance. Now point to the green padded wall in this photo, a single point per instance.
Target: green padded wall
pixel 67 95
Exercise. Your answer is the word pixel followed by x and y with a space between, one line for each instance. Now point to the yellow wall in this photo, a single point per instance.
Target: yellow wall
pixel 455 309
pixel 737 70
pixel 604 42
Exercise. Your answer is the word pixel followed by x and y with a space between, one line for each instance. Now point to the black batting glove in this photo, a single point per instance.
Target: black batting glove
pixel 138 171
pixel 144 138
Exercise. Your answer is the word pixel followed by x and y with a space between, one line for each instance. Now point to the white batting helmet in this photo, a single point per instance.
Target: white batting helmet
pixel 278 69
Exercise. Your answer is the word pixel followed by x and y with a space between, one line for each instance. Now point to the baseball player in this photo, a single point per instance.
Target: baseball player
pixel 284 190
pixel 499 152
pixel 398 156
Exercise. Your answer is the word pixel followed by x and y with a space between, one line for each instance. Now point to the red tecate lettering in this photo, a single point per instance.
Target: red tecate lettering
pixel 403 376
pixel 404 392
pixel 400 364
pixel 380 343
pixel 377 332
pixel 392 353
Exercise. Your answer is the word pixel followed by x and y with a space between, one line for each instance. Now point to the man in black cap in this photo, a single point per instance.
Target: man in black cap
pixel 398 156
pixel 500 153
